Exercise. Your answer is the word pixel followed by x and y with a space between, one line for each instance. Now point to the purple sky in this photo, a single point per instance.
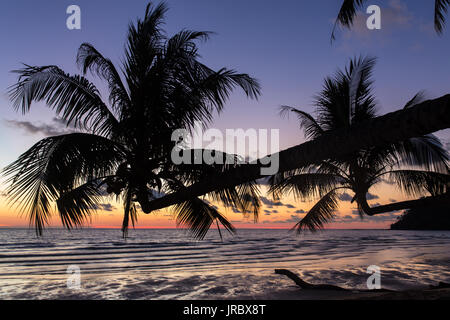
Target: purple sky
pixel 285 44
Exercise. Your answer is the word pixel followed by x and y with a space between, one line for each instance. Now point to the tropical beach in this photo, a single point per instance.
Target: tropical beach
pixel 290 155
pixel 163 264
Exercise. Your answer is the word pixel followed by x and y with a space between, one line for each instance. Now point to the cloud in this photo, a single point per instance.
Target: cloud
pixel 346 219
pixel 386 217
pixel 300 211
pixel 345 197
pixel 355 217
pixel 292 219
pixel 371 196
pixel 271 203
pixel 104 207
pixel 349 198
pixel 56 128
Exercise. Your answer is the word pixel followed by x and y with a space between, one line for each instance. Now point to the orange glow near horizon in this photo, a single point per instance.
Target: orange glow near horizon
pixel 271 216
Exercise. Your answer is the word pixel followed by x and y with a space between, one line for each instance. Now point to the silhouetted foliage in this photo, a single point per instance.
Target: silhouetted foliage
pixel 124 145
pixel 416 166
pixel 432 217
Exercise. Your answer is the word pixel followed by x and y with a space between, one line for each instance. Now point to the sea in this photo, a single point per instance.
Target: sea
pixel 98 264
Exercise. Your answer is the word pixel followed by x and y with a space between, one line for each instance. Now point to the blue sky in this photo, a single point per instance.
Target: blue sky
pixel 285 44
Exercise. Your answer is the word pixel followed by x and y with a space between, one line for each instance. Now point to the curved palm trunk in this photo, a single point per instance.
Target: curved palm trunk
pixel 424 118
pixel 410 204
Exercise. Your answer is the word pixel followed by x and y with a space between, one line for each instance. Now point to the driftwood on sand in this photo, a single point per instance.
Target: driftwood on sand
pixel 305 285
pixel 309 286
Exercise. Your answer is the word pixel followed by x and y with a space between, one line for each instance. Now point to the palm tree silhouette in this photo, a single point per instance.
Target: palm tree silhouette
pixel 348 10
pixel 124 148
pixel 416 166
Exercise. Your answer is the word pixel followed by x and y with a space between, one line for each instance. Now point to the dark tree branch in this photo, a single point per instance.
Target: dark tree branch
pixel 443 200
pixel 424 118
pixel 305 285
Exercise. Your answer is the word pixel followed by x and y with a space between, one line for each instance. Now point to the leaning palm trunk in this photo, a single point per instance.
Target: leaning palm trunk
pixel 424 118
pixel 443 199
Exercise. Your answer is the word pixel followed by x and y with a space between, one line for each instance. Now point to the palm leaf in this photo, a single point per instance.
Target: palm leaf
pixel 88 58
pixel 307 121
pixel 198 216
pixel 322 212
pixel 74 98
pixel 130 213
pixel 305 185
pixel 418 98
pixel 416 182
pixel 346 14
pixel 425 152
pixel 441 7
pixel 75 206
pixel 359 75
pixel 55 166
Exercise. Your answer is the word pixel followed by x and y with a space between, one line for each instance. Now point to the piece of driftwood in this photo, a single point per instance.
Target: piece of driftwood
pixel 309 286
pixel 305 285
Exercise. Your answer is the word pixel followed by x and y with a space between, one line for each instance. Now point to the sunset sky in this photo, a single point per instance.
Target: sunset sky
pixel 285 44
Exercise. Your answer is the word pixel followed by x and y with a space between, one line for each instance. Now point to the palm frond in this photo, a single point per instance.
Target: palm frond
pixel 184 43
pixel 199 216
pixel 88 58
pixel 347 97
pixel 425 152
pixel 418 98
pixel 74 98
pixel 56 165
pixel 144 44
pixel 417 183
pixel 130 213
pixel 305 185
pixel 322 212
pixel 441 7
pixel 244 197
pixel 307 121
pixel 346 15
pixel 359 74
pixel 75 206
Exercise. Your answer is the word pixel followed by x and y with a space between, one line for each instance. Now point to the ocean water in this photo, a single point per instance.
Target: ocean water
pixel 168 264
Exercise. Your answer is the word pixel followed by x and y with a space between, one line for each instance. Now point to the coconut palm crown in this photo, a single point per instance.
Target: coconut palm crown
pixel 123 147
pixel 416 166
